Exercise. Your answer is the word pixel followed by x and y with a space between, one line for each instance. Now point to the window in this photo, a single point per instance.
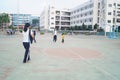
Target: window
pixel 90 20
pixel 118 20
pixel 81 21
pixel 110 5
pixel 109 13
pixel 74 22
pixel 114 12
pixel 81 15
pixel 118 11
pixel 77 16
pixel 113 20
pixel 74 12
pixel 99 5
pixel 98 13
pixel 118 4
pixel 81 9
pixel 52 23
pixel 91 13
pixel 77 21
pixel 74 17
pixel 98 20
pixel 52 17
pixel 114 4
pixel 85 7
pixel 91 5
pixel 109 21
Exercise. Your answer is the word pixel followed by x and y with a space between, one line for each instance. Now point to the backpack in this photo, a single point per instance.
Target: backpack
pixel 31 38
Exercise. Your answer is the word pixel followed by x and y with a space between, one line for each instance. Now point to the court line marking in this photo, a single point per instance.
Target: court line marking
pixel 95 66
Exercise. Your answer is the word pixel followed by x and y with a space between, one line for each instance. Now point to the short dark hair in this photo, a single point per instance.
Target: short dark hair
pixel 26 26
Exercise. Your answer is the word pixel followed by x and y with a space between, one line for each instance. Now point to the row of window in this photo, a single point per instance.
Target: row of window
pixel 82 8
pixel 114 13
pixel 82 15
pixel 82 21
pixel 62 13
pixel 118 20
pixel 109 21
pixel 110 13
pixel 62 18
pixel 109 5
pixel 62 23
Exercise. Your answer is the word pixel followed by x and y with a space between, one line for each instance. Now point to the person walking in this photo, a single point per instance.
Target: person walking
pixel 63 36
pixel 26 41
pixel 55 36
pixel 34 32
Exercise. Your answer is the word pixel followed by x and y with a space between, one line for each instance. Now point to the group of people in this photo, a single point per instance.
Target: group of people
pixel 29 37
pixel 55 37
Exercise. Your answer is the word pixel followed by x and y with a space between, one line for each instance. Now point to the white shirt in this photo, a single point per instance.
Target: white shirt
pixel 26 36
pixel 55 33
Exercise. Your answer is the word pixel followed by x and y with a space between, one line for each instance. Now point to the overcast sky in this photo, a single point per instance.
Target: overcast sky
pixel 35 6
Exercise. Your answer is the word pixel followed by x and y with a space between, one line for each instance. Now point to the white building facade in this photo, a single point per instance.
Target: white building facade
pixel 85 13
pixel 44 20
pixel 105 13
pixel 52 18
pixel 109 14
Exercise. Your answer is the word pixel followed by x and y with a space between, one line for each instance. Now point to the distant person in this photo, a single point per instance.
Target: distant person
pixel 26 42
pixel 55 36
pixel 63 36
pixel 34 32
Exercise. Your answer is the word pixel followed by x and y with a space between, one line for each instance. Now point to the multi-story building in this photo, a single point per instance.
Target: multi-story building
pixel 52 18
pixel 105 13
pixel 85 13
pixel 10 19
pixel 20 19
pixel 108 14
pixel 44 19
pixel 35 21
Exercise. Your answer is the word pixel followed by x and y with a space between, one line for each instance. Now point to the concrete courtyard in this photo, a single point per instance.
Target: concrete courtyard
pixel 81 57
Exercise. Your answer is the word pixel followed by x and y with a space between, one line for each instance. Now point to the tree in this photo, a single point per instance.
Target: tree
pixel 89 27
pixel 35 22
pixel 95 26
pixel 118 28
pixel 4 20
pixel 72 28
pixel 84 26
pixel 76 27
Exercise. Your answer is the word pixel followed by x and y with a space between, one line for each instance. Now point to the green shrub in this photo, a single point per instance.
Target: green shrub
pixel 20 31
pixel 100 30
pixel 87 33
pixel 42 33
pixel 65 33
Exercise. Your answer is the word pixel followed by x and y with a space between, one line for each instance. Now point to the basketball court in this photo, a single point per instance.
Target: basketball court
pixel 81 57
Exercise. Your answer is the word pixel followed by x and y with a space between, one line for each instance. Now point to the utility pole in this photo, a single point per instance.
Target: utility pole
pixel 17 14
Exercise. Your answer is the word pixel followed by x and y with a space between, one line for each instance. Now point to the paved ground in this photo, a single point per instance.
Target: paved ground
pixel 81 57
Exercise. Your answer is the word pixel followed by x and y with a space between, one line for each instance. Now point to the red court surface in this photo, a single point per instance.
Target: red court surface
pixel 77 53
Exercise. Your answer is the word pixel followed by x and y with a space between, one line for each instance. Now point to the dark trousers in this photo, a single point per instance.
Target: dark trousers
pixel 34 40
pixel 62 40
pixel 54 38
pixel 27 52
